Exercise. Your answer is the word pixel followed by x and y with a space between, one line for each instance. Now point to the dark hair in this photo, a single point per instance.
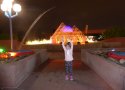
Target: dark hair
pixel 69 44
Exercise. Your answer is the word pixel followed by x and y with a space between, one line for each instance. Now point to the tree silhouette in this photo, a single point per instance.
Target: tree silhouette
pixel 114 32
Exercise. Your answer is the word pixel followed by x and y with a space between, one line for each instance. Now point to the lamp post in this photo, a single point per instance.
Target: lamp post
pixel 8 6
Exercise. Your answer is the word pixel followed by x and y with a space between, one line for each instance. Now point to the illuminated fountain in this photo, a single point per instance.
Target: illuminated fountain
pixel 33 24
pixel 37 42
pixel 15 55
pixel 62 31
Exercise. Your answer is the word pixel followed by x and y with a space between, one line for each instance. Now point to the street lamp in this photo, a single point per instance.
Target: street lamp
pixel 7 6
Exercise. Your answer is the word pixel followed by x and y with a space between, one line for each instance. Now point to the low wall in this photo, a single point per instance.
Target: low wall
pixel 51 47
pixel 13 74
pixel 105 45
pixel 112 73
pixel 60 55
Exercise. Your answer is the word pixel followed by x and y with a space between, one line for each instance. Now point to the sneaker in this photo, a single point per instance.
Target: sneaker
pixel 66 77
pixel 71 78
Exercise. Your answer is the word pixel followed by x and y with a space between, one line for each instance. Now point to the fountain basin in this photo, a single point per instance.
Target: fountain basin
pixel 14 73
pixel 111 72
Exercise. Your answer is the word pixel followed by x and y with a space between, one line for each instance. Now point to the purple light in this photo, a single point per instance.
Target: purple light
pixel 67 29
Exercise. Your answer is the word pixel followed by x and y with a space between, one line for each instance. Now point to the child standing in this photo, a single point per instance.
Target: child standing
pixel 68 51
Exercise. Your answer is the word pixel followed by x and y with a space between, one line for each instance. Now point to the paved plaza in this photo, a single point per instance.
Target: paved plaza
pixel 51 76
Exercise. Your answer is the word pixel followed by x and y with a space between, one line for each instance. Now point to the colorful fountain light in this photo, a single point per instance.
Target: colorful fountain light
pixel 1 50
pixel 8 55
pixel 36 42
pixel 20 53
pixel 3 55
pixel 12 54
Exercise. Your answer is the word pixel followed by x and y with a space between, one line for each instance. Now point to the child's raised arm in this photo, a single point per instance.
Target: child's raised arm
pixel 63 43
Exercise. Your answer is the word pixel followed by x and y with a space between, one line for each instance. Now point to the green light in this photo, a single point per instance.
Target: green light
pixel 1 50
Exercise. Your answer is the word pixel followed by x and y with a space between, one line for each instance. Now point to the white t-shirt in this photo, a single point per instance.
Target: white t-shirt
pixel 68 52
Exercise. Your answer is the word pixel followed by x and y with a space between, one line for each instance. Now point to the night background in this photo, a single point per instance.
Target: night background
pixel 97 14
pixel 71 59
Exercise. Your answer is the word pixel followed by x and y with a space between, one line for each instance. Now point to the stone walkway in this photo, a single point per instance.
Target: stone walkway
pixel 51 76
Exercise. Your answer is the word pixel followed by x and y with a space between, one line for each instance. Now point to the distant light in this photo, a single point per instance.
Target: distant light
pixel 36 42
pixel 67 29
pixel 12 54
pixel 1 50
pixel 113 49
pixel 90 39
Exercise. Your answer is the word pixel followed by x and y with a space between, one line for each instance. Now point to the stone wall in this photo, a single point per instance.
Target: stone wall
pixel 13 74
pixel 112 73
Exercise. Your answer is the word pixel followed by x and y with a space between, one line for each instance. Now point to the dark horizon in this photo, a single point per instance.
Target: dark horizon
pixel 97 14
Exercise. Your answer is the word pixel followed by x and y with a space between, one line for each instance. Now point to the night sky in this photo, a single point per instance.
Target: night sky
pixel 98 14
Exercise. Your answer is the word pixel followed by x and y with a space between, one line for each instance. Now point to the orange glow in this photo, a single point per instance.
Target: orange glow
pixel 35 42
pixel 4 55
pixel 76 35
pixel 12 54
pixel 8 55
pixel 90 39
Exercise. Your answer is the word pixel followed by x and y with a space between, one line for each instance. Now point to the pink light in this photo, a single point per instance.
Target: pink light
pixel 67 29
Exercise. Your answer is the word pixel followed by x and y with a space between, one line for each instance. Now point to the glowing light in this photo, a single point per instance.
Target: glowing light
pixel 6 5
pixel 1 50
pixel 3 55
pixel 67 29
pixel 113 49
pixel 12 54
pixel 35 42
pixel 17 7
pixel 90 39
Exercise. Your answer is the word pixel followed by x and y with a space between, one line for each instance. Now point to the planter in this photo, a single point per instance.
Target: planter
pixel 13 74
pixel 111 72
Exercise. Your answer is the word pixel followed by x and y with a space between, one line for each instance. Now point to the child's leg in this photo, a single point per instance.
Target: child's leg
pixel 70 68
pixel 66 67
pixel 66 70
